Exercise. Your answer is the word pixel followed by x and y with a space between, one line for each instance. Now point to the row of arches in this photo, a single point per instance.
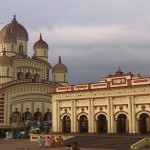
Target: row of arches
pixel 37 116
pixel 122 124
pixel 12 48
pixel 64 79
pixel 28 75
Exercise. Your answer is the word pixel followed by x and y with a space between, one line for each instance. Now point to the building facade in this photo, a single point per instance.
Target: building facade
pixel 24 80
pixel 119 103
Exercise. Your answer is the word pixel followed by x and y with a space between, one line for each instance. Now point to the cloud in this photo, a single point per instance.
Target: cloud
pixel 96 50
pixel 83 37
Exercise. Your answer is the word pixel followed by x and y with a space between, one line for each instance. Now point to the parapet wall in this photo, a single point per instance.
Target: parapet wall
pixel 119 81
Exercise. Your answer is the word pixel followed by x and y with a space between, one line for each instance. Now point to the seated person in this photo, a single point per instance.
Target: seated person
pixel 60 141
pixel 53 142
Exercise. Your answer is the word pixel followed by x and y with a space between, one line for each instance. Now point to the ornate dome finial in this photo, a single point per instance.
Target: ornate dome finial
pixel 59 59
pixel 59 67
pixel 14 19
pixel 40 44
pixel 40 36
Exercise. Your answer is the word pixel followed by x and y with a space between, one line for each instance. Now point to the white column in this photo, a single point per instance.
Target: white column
pixel 92 117
pixel 72 117
pixel 89 114
pixel 59 125
pixel 55 116
pixel 112 123
pixel 133 115
pixel 109 117
pixel 75 122
pixel 130 115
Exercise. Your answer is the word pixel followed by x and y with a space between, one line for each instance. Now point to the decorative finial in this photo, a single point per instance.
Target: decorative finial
pixel 4 52
pixel 59 59
pixel 14 19
pixel 40 36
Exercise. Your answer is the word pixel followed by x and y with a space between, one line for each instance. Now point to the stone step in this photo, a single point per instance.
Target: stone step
pixel 109 142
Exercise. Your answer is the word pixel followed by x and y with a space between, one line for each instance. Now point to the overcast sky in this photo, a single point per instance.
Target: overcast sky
pixel 93 37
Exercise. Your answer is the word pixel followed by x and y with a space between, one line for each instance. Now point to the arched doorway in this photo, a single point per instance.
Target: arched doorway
pixel 16 118
pixel 122 124
pixel 83 124
pixel 37 78
pixel 27 116
pixel 144 123
pixel 28 75
pixel 20 76
pixel 20 49
pixel 102 124
pixel 48 116
pixel 38 116
pixel 66 124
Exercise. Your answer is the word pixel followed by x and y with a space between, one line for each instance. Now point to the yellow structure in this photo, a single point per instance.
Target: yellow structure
pixel 24 80
pixel 119 103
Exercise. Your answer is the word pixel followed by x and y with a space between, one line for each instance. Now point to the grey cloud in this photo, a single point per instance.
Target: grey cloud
pixel 94 38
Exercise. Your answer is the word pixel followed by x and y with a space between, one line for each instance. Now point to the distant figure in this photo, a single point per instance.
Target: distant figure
pixel 75 146
pixel 41 142
pixel 47 142
pixel 60 141
pixel 7 136
pixel 68 147
pixel 53 142
pixel 11 135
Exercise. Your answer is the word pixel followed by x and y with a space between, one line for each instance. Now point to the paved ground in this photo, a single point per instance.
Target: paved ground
pixel 86 142
pixel 25 144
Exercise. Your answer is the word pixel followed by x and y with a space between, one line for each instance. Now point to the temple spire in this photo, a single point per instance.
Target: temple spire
pixel 59 59
pixel 14 19
pixel 40 36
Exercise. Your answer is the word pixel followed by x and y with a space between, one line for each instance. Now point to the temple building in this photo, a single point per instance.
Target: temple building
pixel 117 104
pixel 24 80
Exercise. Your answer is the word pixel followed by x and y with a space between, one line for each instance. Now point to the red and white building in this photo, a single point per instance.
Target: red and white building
pixel 119 103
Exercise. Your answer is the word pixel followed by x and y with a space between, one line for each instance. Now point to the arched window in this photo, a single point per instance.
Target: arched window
pixel 20 76
pixel 20 49
pixel 15 117
pixel 64 78
pixel 7 71
pixel 12 47
pixel 36 77
pixel 27 116
pixel 54 77
pixel 28 75
pixel 48 116
pixel 45 53
pixel 37 116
